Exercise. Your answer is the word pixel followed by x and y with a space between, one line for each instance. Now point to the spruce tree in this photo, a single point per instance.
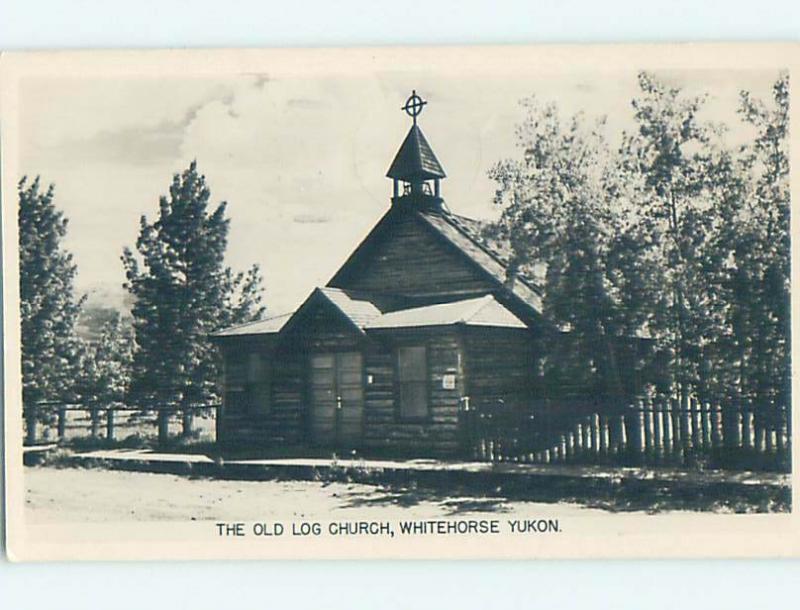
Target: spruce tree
pixel 48 307
pixel 183 292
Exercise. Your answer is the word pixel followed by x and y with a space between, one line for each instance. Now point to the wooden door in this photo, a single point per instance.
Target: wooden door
pixel 337 398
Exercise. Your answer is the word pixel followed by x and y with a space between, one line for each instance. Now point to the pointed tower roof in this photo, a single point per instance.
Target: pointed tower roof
pixel 415 159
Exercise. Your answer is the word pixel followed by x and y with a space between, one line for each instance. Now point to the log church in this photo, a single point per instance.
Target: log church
pixel 423 321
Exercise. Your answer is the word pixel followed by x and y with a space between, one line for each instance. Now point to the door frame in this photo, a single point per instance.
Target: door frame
pixel 337 442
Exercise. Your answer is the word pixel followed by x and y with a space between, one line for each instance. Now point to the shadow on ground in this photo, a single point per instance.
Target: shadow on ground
pixel 616 499
pixel 411 497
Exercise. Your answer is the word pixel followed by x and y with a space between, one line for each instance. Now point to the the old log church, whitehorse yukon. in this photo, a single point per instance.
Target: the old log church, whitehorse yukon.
pixel 422 322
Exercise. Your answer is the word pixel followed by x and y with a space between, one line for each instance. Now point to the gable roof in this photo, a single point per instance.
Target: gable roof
pixel 357 312
pixel 481 311
pixel 493 257
pixel 465 236
pixel 415 159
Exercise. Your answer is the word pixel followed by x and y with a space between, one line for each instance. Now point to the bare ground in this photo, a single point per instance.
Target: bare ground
pixel 59 495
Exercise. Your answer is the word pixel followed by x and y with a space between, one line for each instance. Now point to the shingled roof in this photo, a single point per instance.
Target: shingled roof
pixel 493 256
pixel 267 326
pixel 481 311
pixel 415 160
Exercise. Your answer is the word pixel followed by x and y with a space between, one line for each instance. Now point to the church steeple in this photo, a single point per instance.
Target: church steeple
pixel 415 165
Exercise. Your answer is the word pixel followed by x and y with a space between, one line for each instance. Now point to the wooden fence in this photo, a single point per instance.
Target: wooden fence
pixel 67 421
pixel 656 432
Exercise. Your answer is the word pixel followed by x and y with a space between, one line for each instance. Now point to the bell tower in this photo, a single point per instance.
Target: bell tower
pixel 416 172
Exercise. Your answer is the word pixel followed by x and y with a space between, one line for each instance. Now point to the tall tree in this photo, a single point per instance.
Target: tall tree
pixel 669 160
pixel 558 214
pixel 183 291
pixel 48 307
pixel 760 260
pixel 106 364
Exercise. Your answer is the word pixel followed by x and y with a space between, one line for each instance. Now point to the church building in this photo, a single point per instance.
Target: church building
pixel 422 322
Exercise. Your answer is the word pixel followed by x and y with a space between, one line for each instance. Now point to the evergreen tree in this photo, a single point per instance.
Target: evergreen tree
pixel 48 308
pixel 183 292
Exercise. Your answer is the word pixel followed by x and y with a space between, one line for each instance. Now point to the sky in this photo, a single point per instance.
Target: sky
pixel 300 159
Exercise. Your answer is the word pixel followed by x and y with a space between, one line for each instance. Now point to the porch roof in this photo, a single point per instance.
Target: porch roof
pixel 272 324
pixel 364 315
pixel 357 309
pixel 481 311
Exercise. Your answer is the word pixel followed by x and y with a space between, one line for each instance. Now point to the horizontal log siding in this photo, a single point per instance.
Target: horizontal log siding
pixel 500 366
pixel 282 424
pixel 411 260
pixel 439 433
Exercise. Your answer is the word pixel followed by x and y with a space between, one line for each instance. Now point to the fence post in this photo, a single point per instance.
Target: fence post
pixel 163 425
pixel 188 422
pixel 468 427
pixel 730 425
pixel 94 413
pixel 647 415
pixel 707 424
pixel 666 411
pixel 697 423
pixel 716 425
pixel 686 424
pixel 636 435
pixel 62 422
pixel 771 437
pixel 759 429
pixel 747 427
pixel 604 434
pixel 588 436
pixel 677 426
pixel 596 433
pixel 658 428
pixel 616 433
pixel 782 428
pixel 110 424
pixel 31 416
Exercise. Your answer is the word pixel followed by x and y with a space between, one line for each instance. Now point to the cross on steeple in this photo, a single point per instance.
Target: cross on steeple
pixel 415 167
pixel 414 105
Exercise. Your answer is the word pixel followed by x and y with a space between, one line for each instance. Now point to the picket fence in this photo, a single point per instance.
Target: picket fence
pixel 655 432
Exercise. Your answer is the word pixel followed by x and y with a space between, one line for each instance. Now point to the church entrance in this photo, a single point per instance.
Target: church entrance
pixel 337 398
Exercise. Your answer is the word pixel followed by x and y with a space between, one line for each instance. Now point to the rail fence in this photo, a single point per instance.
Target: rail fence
pixel 660 432
pixel 61 422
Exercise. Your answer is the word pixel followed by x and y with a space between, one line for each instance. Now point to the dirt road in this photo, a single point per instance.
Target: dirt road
pixel 58 495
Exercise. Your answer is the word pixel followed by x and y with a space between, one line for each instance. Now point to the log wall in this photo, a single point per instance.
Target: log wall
pixel 413 262
pixel 439 433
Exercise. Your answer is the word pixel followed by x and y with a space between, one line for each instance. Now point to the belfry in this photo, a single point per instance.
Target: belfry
pixel 415 165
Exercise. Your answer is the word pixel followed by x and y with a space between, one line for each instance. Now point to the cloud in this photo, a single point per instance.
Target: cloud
pixel 144 144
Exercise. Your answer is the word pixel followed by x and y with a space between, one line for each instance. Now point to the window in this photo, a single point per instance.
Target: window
pixel 412 382
pixel 247 382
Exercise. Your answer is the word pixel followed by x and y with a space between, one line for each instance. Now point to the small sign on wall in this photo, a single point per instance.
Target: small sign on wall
pixel 449 382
